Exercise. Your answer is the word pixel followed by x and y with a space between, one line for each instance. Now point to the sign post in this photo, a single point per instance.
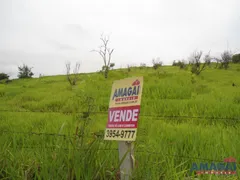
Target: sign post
pixel 123 114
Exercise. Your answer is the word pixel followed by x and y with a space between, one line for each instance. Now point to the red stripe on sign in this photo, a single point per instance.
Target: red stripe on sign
pixel 123 117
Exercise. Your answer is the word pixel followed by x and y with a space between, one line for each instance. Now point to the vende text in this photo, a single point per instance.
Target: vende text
pixel 123 117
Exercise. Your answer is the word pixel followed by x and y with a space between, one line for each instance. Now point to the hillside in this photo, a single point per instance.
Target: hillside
pixel 182 117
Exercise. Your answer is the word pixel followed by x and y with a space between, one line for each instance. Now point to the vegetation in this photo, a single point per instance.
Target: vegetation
pixel 195 61
pixel 3 76
pixel 106 54
pixel 157 63
pixel 72 78
pixel 180 64
pixel 226 58
pixel 236 58
pixel 24 72
pixel 180 123
pixel 142 65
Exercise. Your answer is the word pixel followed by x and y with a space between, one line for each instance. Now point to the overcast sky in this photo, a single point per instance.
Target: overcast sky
pixel 47 33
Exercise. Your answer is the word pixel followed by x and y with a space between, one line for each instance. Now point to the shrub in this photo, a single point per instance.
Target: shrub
pixel 3 76
pixel 156 63
pixel 25 72
pixel 142 65
pixel 236 58
pixel 75 77
pixel 174 63
pixel 181 64
pixel 128 68
pixel 226 58
pixel 195 62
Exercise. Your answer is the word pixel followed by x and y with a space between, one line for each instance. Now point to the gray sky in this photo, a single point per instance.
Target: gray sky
pixel 47 33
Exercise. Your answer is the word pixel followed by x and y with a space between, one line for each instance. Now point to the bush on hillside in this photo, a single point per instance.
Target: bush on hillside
pixel 208 59
pixel 236 58
pixel 25 72
pixel 142 65
pixel 157 63
pixel 226 58
pixel 3 76
pixel 72 78
pixel 181 64
pixel 128 68
pixel 195 61
pixel 175 63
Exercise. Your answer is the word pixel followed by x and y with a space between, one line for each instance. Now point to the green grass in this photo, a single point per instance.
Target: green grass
pixel 182 117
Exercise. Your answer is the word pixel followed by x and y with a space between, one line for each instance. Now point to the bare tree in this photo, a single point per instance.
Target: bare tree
pixel 106 54
pixel 195 62
pixel 72 79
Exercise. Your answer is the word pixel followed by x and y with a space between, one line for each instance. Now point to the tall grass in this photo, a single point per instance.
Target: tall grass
pixel 181 122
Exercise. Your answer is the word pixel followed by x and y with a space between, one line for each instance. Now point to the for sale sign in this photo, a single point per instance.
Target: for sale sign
pixel 124 109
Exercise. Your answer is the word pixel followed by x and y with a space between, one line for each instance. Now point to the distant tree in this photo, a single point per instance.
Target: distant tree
pixel 72 79
pixel 174 63
pixel 157 63
pixel 195 61
pixel 216 60
pixel 236 58
pixel 3 76
pixel 106 54
pixel 142 65
pixel 226 58
pixel 208 59
pixel 128 68
pixel 25 72
pixel 181 64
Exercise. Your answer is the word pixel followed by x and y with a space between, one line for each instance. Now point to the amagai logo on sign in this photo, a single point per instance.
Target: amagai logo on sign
pixel 128 94
pixel 227 167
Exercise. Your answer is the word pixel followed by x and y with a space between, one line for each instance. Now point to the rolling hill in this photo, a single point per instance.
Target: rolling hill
pixel 52 130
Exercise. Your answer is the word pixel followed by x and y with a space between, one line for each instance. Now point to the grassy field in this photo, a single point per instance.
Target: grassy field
pixel 184 119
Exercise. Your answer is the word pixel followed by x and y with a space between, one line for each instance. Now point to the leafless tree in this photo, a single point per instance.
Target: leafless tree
pixel 106 54
pixel 195 62
pixel 72 79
